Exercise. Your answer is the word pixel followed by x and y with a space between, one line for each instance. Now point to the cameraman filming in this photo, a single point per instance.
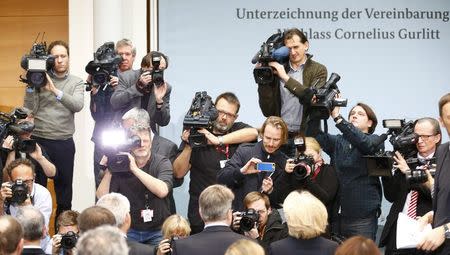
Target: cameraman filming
pixel 287 95
pixel 409 194
pixel 269 227
pixel 43 167
pixel 138 88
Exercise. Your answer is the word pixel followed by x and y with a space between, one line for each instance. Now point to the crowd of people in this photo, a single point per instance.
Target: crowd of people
pixel 299 204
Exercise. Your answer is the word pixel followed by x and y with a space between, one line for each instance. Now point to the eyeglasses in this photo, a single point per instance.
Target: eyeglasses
pixel 424 137
pixel 226 114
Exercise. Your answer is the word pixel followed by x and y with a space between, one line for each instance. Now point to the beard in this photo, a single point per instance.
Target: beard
pixel 221 127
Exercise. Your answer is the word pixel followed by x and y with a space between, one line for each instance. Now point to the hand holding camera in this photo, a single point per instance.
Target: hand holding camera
pixel 15 193
pixel 250 166
pixel 400 162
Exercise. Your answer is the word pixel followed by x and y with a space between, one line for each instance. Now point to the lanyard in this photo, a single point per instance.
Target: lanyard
pixel 225 152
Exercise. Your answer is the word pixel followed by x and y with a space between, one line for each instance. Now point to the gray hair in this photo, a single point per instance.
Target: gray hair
pixel 126 42
pixel 102 240
pixel 32 221
pixel 215 202
pixel 118 204
pixel 140 118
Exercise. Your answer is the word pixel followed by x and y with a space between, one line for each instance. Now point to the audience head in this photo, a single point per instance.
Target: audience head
pixel 306 216
pixel 11 236
pixel 175 225
pixel 67 221
pixel 274 133
pixel 127 51
pixel 102 240
pixel 363 118
pixel 260 203
pixel 119 205
pixel 33 223
pixel 227 105
pixel 444 111
pixel 245 247
pixel 215 204
pixel 358 245
pixel 93 217
pixel 429 134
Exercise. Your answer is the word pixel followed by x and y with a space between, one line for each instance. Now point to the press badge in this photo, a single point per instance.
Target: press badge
pixel 223 162
pixel 147 215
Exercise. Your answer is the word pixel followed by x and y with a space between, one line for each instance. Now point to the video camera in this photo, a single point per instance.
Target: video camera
pixel 325 98
pixel 37 63
pixel 69 240
pixel 105 63
pixel 248 220
pixel 201 114
pixel 271 50
pixel 9 126
pixel 300 172
pixel 19 193
pixel 115 143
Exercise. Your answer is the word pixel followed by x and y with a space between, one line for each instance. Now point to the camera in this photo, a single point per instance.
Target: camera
pixel 300 172
pixel 248 220
pixel 157 73
pixel 105 63
pixel 19 192
pixel 202 113
pixel 325 98
pixel 115 143
pixel 37 63
pixel 69 240
pixel 416 173
pixel 271 50
pixel 9 126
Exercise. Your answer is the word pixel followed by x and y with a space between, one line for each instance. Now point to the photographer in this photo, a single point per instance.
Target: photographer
pixel 359 193
pixel 101 109
pixel 43 167
pixel 204 162
pixel 67 229
pixel 240 172
pixel 311 174
pixel 137 88
pixel 54 108
pixel 269 227
pixel 22 191
pixel 409 194
pixel 146 185
pixel 173 228
pixel 287 96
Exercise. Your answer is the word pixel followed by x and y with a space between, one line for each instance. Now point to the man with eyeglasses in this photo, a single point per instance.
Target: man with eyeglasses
pixel 137 88
pixel 38 196
pixel 205 162
pixel 269 227
pixel 408 196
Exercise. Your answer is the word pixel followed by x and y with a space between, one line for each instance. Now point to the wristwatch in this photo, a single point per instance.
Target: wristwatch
pixel 447 232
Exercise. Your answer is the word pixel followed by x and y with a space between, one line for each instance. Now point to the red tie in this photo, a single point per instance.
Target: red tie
pixel 412 208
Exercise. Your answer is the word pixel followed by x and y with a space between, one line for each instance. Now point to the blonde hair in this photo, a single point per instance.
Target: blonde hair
pixel 313 144
pixel 175 225
pixel 245 247
pixel 306 216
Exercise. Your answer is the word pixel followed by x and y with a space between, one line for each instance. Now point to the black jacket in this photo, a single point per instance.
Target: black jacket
pixel 275 230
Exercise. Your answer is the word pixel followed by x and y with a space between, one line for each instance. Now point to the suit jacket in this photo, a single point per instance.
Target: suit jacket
pixel 126 96
pixel 212 240
pixel 396 189
pixel 137 248
pixel 33 251
pixel 290 245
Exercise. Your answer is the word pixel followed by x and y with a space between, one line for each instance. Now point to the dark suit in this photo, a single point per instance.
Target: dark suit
pixel 168 149
pixel 126 96
pixel 314 246
pixel 137 248
pixel 212 240
pixel 441 199
pixel 33 251
pixel 396 190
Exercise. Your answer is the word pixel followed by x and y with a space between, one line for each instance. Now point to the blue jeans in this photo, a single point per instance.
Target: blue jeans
pixel 367 227
pixel 145 237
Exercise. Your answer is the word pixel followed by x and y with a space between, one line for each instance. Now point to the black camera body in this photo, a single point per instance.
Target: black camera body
pixel 106 62
pixel 416 173
pixel 248 220
pixel 300 172
pixel 19 192
pixel 37 63
pixel 157 73
pixel 271 50
pixel 9 126
pixel 201 114
pixel 325 99
pixel 118 161
pixel 69 240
